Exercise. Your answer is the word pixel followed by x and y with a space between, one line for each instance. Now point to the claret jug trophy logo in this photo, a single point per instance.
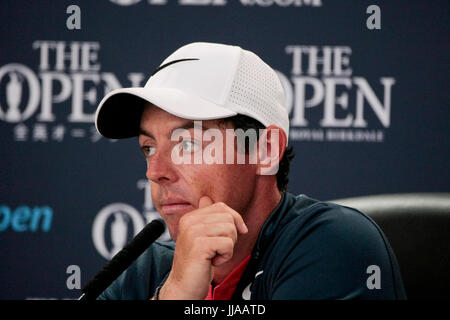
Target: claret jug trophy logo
pixel 117 223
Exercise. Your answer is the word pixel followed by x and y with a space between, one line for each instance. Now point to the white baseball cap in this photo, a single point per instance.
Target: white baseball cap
pixel 199 81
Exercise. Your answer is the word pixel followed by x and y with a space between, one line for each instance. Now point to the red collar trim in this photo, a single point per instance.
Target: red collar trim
pixel 225 289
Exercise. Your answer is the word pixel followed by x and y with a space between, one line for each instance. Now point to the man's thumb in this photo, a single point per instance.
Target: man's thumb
pixel 204 202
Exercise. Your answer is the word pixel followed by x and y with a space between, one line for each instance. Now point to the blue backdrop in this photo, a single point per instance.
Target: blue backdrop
pixel 369 113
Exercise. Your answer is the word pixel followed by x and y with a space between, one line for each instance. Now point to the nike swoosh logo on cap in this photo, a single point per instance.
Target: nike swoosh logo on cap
pixel 171 62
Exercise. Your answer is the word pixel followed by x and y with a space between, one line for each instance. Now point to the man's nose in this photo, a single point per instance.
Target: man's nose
pixel 160 168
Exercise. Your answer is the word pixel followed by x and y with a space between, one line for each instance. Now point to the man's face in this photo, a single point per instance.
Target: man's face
pixel 177 187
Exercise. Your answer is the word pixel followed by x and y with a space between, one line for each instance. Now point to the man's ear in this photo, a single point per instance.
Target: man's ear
pixel 271 148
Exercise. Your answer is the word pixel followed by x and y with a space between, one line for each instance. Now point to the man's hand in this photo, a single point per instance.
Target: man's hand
pixel 206 238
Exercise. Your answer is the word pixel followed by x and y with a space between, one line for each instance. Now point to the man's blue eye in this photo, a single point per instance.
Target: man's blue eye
pixel 189 146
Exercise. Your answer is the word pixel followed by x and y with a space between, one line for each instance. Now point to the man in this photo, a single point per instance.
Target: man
pixel 239 234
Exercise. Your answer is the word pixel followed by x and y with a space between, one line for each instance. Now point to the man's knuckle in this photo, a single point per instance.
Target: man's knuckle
pixel 229 244
pixel 230 229
pixel 221 206
pixel 230 218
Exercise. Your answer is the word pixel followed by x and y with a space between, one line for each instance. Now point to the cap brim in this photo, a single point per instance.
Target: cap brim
pixel 119 113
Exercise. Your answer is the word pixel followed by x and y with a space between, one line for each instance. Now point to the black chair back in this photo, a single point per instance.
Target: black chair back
pixel 417 226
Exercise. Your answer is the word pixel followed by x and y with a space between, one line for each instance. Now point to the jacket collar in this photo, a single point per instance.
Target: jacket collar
pixel 272 223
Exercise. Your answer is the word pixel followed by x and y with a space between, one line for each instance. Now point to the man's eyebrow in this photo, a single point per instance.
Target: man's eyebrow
pixel 185 125
pixel 191 125
pixel 144 132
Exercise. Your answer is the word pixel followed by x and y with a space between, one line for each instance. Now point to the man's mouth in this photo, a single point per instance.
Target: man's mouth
pixel 175 206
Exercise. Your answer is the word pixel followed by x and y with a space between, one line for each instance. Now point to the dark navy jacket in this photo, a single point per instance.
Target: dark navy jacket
pixel 306 249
